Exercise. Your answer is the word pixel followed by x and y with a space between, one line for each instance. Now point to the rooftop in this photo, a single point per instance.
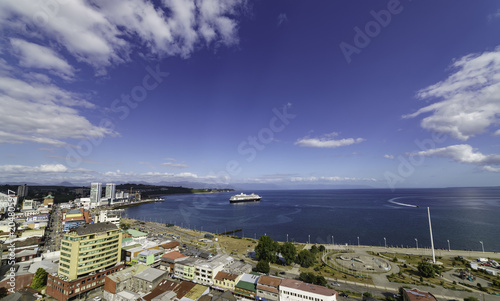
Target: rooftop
pixel 174 255
pixel 221 276
pixel 269 280
pixel 170 245
pixel 127 273
pixel 150 274
pixel 149 252
pixel 307 287
pixel 95 228
pixel 136 233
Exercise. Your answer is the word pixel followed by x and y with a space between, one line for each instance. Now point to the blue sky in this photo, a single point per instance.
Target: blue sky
pixel 271 94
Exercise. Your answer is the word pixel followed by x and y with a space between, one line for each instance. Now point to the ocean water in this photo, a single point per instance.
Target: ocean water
pixel 462 216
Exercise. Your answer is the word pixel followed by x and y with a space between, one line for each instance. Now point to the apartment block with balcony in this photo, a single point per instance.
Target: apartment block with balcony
pixel 88 249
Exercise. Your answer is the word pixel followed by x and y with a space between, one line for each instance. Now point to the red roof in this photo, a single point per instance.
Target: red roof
pixel 170 245
pixel 173 255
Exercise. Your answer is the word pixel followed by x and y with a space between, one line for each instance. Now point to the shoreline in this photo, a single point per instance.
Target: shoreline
pixel 340 247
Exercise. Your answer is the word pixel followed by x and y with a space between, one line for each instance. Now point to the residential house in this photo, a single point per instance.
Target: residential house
pixel 169 259
pixel 246 287
pixel 417 295
pixel 226 281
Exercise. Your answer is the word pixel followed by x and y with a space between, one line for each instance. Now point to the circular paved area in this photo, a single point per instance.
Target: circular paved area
pixel 362 263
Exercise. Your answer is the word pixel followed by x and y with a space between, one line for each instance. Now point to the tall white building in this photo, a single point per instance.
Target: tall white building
pixel 110 191
pixel 95 194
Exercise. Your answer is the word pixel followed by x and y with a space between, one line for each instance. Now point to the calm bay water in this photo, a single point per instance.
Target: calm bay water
pixel 464 216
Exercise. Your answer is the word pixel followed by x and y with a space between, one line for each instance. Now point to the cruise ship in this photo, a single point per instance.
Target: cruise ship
pixel 239 198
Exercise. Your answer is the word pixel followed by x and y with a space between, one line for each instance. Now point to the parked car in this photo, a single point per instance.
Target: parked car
pixel 344 295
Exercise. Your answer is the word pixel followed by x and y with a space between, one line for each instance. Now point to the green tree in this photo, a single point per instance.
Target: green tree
pixel 314 249
pixel 311 278
pixel 289 252
pixel 267 249
pixel 428 270
pixel 39 279
pixel 305 258
pixel 322 248
pixel 471 299
pixel 3 292
pixel 263 267
pixel 367 295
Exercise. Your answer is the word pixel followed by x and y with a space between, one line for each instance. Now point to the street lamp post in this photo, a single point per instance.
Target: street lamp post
pixel 449 249
pixel 416 242
pixel 358 241
pixel 309 240
pixel 482 245
pixel 385 242
pixel 333 242
pixel 287 237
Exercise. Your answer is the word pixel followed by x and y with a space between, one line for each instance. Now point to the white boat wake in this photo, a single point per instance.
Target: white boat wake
pixel 393 201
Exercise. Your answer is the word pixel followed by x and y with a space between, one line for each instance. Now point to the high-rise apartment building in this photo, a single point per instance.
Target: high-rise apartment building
pixel 95 194
pixel 22 191
pixel 110 191
pixel 89 248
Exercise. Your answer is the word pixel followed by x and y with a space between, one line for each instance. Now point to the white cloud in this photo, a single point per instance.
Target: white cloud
pixel 326 141
pixel 13 170
pixel 391 157
pixel 36 56
pixel 103 33
pixel 464 153
pixel 43 113
pixel 469 99
pixel 175 165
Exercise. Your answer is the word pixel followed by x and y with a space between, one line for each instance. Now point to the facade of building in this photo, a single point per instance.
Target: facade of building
pixel 95 194
pixel 88 249
pixel 115 283
pixel 147 280
pixel 63 289
pixel 110 191
pixel 22 191
pixel 268 288
pixel 295 290
pixel 185 269
pixel 226 281
pixel 246 288
pixel 150 257
pixel 48 201
pixel 109 216
pixel 206 270
pixel 169 259
pixel 29 204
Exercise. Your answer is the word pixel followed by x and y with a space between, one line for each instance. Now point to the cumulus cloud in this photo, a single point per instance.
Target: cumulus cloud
pixel 331 179
pixel 326 141
pixel 391 157
pixel 464 153
pixel 468 101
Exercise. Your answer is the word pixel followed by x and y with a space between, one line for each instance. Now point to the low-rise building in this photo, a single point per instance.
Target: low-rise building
pixel 168 261
pixel 185 269
pixel 295 290
pixel 118 282
pixel 62 288
pixel 226 281
pixel 150 257
pixel 268 288
pixel 147 280
pixel 246 287
pixel 207 269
